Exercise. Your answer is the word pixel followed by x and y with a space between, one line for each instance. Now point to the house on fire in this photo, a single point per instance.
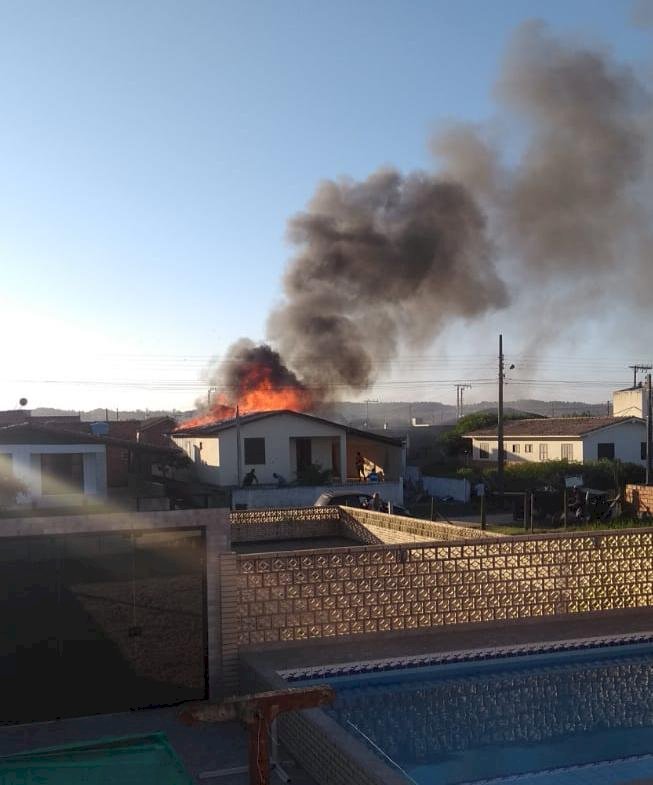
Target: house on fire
pixel 286 443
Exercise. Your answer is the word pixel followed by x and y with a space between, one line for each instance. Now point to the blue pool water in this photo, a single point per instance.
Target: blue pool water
pixel 572 717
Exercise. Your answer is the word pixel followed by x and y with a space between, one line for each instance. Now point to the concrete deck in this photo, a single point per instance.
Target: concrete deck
pixel 452 638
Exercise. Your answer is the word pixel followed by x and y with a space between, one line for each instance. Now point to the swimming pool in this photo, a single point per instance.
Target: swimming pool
pixel 583 715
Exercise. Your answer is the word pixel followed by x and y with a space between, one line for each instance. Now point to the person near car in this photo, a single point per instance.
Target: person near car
pixel 376 502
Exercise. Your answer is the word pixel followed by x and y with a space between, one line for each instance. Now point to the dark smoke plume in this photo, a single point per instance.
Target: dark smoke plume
pixel 380 262
pixel 392 259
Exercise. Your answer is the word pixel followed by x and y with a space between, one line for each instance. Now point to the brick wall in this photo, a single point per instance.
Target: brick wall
pixel 294 596
pixel 641 498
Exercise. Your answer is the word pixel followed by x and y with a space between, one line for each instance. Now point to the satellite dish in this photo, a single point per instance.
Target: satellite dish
pixel 23 402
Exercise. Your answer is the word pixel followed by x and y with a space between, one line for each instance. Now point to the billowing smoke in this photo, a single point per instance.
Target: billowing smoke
pixel 570 204
pixel 390 260
pixel 380 262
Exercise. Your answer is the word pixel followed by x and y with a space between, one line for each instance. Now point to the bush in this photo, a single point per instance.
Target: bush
pixel 602 475
pixel 10 487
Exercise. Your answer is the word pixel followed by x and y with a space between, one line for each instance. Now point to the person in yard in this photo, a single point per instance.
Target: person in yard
pixel 373 476
pixel 376 502
pixel 360 466
pixel 250 478
pixel 281 481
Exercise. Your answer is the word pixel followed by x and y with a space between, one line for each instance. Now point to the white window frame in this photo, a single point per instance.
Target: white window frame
pixel 528 448
pixel 543 451
pixel 484 447
pixel 567 447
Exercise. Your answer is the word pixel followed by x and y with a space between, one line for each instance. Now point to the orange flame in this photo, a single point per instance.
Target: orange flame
pixel 258 393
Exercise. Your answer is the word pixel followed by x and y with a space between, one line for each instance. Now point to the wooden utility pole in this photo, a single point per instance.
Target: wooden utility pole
pixel 649 430
pixel 501 456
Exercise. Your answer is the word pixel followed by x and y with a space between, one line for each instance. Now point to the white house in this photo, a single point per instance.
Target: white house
pixel 579 439
pixel 286 443
pixel 56 468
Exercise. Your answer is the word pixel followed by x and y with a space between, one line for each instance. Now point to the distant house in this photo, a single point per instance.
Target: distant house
pixel 285 443
pixel 55 467
pixel 156 431
pixel 578 439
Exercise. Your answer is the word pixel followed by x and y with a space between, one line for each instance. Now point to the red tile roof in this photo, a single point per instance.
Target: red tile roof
pixel 553 426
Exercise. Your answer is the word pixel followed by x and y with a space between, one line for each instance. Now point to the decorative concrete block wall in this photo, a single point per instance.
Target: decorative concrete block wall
pixel 296 596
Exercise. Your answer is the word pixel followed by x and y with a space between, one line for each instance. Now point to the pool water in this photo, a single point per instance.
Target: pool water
pixel 571 717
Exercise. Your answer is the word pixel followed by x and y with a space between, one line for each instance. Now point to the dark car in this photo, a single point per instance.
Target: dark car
pixel 354 499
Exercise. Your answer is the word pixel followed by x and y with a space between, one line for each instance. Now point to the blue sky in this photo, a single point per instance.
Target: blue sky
pixel 151 153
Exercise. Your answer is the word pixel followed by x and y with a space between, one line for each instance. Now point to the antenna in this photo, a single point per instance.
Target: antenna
pixel 636 368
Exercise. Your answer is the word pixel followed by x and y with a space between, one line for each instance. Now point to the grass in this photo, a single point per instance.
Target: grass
pixel 621 523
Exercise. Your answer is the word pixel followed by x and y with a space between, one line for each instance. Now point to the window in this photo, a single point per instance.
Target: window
pixel 484 451
pixel 254 451
pixel 642 451
pixel 62 473
pixel 528 448
pixel 605 450
pixel 544 452
pixel 515 448
pixel 567 452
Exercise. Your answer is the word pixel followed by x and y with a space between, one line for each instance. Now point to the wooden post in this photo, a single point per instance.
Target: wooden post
pixel 526 508
pixel 483 516
pixel 532 511
pixel 259 752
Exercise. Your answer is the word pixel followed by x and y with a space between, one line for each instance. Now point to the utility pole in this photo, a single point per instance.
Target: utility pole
pixel 649 430
pixel 501 456
pixel 636 368
pixel 459 398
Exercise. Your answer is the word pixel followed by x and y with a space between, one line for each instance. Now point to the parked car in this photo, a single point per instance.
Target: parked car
pixel 354 499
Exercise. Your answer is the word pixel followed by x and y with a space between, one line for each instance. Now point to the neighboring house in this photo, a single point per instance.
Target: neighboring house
pixel 55 467
pixel 578 439
pixel 285 443
pixel 156 431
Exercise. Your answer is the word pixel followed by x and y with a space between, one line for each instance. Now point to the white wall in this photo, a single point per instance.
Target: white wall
pixel 629 403
pixel 447 486
pixel 626 437
pixel 553 446
pixel 26 464
pixel 306 495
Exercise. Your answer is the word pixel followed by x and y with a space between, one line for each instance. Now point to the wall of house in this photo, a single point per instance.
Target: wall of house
pixel 626 437
pixel 205 452
pixel 26 466
pixel 629 403
pixel 554 449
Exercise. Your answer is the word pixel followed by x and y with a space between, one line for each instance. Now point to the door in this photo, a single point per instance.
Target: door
pixel 304 455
